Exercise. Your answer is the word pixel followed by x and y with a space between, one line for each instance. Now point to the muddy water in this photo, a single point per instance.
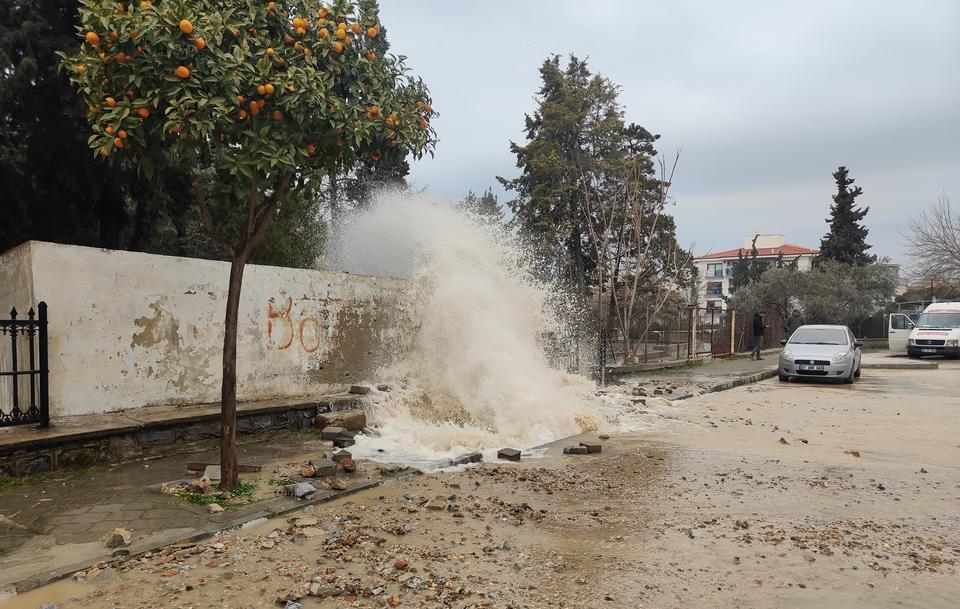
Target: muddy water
pixel 710 510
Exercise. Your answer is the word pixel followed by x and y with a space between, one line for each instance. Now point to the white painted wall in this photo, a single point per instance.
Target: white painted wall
pixel 130 329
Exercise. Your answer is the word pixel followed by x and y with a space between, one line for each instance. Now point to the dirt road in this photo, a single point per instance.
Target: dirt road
pixel 772 495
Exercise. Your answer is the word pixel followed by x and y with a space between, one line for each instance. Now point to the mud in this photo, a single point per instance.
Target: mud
pixel 711 509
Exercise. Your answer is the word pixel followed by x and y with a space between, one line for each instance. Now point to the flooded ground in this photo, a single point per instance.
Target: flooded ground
pixel 768 496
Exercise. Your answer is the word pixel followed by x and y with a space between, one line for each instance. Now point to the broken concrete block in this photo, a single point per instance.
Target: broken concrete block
pixel 383 387
pixel 211 472
pixel 342 442
pixel 300 489
pixel 331 432
pixel 348 419
pixel 591 447
pixel 510 454
pixel 323 467
pixel 575 450
pixel 359 389
pixel 340 455
pixel 214 508
pixel 467 458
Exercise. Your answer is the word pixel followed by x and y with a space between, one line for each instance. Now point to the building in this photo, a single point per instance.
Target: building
pixel 715 271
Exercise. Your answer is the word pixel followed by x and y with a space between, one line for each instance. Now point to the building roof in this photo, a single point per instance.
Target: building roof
pixel 787 249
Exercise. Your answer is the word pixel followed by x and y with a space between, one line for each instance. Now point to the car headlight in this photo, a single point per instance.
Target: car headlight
pixel 950 343
pixel 911 342
pixel 787 354
pixel 839 357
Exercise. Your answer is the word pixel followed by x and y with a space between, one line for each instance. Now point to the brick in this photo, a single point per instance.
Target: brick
pixel 591 447
pixel 510 454
pixel 331 433
pixel 575 450
pixel 359 389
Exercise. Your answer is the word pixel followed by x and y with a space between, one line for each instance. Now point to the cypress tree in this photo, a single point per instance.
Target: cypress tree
pixel 846 240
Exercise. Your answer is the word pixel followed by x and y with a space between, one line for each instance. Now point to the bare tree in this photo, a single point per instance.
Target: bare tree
pixel 934 240
pixel 622 224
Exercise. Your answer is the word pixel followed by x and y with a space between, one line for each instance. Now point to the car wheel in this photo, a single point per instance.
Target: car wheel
pixel 857 373
pixel 783 377
pixel 849 378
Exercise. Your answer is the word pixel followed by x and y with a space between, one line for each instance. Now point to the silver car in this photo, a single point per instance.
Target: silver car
pixel 827 352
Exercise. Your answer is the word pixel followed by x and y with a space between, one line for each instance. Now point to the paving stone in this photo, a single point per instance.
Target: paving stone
pixel 324 467
pixel 331 432
pixel 510 454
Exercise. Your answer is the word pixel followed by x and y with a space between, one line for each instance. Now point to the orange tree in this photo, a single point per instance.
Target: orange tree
pixel 255 101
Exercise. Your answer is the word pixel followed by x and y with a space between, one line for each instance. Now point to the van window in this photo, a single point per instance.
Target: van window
pixel 900 322
pixel 939 320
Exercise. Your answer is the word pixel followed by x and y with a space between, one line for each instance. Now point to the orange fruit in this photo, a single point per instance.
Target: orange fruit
pixel 80 69
pixel 356 28
pixel 261 90
pixel 311 148
pixel 419 104
pixel 143 112
pixel 112 36
pixel 277 115
pixel 186 27
pixel 104 151
pixel 341 34
pixel 287 39
pixel 337 47
pixel 109 130
pixel 254 107
pixel 134 34
pixel 182 72
pixel 242 113
pixel 324 32
pixel 130 94
pixel 122 134
pixel 429 108
pixel 144 4
pixel 270 51
pixel 322 13
pixel 372 32
pixel 376 156
pixel 118 142
pixel 269 88
pixel 300 31
pixel 200 43
pixel 370 56
pixel 92 39
pixel 272 7
pixel 111 102
pixel 347 41
pixel 241 99
pixel 374 110
pixel 121 57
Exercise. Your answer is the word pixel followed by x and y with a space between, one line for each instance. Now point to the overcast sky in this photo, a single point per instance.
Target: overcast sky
pixel 764 100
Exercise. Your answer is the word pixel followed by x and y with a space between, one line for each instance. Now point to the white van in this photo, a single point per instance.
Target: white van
pixel 937 331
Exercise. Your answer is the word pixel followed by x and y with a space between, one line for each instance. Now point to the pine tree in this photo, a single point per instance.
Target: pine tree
pixel 846 240
pixel 741 272
pixel 486 208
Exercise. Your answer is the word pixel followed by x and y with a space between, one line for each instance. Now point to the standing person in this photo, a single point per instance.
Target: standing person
pixel 759 326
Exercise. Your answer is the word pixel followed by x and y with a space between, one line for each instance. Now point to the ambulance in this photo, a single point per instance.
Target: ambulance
pixel 937 331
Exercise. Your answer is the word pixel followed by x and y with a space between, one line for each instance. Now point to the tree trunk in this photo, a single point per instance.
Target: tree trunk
pixel 228 392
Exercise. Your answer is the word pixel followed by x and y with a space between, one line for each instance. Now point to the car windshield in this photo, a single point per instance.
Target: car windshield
pixel 939 320
pixel 819 336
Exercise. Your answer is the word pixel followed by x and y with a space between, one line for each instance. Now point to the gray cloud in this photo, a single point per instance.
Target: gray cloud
pixel 765 99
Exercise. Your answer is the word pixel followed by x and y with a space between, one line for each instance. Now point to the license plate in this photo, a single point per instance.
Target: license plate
pixel 810 368
pixel 928 350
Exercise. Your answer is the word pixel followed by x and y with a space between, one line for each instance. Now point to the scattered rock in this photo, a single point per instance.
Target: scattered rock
pixel 575 450
pixel 923 471
pixel 783 440
pixel 804 440
pixel 342 442
pixel 853 453
pixel 119 537
pixel 604 436
pixel 215 508
pixel 383 387
pixel 300 489
pixel 331 432
pixel 324 467
pixel 474 457
pixel 359 389
pixel 591 447
pixel 211 472
pixel 348 465
pixel 509 454
pixel 304 521
pixel 400 564
pixel 351 420
pixel 336 484
pixel 308 471
pixel 340 455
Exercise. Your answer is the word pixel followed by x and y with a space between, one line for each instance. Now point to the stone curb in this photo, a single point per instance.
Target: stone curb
pixel 900 366
pixel 25 585
pixel 737 382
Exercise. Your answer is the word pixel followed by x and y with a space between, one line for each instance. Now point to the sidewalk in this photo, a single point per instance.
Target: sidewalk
pixel 57 525
pixel 712 375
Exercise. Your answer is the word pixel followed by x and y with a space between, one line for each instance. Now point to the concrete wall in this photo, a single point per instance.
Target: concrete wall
pixel 130 329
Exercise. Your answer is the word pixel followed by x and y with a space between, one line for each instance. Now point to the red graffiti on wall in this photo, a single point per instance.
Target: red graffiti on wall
pixel 309 339
pixel 283 320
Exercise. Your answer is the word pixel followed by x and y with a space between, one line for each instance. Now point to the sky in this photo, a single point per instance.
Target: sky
pixel 763 100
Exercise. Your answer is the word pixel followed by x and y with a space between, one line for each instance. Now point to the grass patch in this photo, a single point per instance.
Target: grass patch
pixel 281 481
pixel 11 482
pixel 243 491
pixel 307 431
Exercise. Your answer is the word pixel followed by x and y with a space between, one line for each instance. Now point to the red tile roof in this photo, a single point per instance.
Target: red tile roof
pixel 787 249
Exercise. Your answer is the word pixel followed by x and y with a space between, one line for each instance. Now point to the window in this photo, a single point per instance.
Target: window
pixel 900 322
pixel 820 336
pixel 715 270
pixel 944 320
pixel 714 288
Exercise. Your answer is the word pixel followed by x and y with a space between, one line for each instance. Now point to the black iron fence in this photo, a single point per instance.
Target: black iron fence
pixel 24 386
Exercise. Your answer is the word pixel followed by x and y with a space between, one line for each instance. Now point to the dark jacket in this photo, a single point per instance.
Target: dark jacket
pixel 758 325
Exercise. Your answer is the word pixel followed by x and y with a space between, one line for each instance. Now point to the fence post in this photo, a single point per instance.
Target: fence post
pixel 44 368
pixel 733 331
pixel 690 331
